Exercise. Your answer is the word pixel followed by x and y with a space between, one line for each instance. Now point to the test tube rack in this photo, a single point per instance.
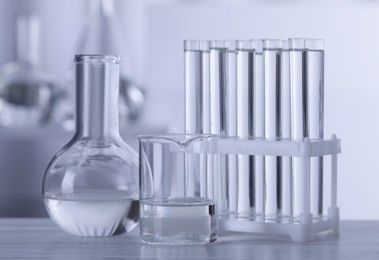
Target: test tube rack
pixel 270 95
pixel 307 227
pixel 305 230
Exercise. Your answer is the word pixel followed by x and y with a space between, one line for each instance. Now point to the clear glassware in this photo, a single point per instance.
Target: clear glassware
pixel 272 52
pixel 298 51
pixel 198 112
pixel 102 34
pixel 28 93
pixel 307 114
pixel 315 117
pixel 258 125
pixel 178 198
pixel 197 107
pixel 91 186
pixel 230 206
pixel 285 134
pixel 245 87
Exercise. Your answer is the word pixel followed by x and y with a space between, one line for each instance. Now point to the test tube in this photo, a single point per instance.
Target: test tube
pixel 231 122
pixel 218 108
pixel 315 118
pixel 272 70
pixel 245 72
pixel 259 128
pixel 218 57
pixel 285 134
pixel 197 107
pixel 307 113
pixel 206 184
pixel 193 87
pixel 298 79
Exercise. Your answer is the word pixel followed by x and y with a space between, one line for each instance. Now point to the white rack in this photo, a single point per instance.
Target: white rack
pixel 305 230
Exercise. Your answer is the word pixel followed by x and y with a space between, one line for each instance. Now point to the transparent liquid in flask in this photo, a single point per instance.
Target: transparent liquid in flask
pixel 93 215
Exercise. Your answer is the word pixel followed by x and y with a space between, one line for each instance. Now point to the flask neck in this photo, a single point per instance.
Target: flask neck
pixel 28 39
pixel 97 83
pixel 102 7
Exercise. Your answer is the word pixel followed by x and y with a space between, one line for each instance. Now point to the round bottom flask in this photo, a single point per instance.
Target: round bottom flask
pixel 90 187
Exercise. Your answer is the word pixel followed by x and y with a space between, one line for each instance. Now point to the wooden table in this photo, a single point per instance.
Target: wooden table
pixel 42 239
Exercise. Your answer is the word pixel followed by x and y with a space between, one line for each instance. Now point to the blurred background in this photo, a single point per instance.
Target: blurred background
pixel 148 35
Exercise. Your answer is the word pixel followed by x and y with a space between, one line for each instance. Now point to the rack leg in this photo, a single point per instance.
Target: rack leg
pixel 334 215
pixel 303 232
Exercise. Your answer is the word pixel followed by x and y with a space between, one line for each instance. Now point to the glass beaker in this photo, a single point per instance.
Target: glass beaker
pixel 28 93
pixel 178 198
pixel 91 186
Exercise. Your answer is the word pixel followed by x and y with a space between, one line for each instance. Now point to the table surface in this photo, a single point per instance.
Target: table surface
pixel 42 239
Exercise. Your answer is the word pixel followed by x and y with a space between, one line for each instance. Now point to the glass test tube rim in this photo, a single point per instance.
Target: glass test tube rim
pixel 217 44
pixel 272 44
pixel 196 45
pixel 306 44
pixel 285 45
pixel 230 45
pixel 316 44
pixel 204 45
pixel 258 45
pixel 245 45
pixel 250 45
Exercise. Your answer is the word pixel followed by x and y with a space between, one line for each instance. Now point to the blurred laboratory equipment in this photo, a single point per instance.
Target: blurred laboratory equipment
pixel 90 187
pixel 267 94
pixel 28 93
pixel 103 35
pixel 177 194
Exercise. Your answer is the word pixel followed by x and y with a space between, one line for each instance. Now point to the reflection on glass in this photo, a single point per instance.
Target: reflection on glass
pixel 91 185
